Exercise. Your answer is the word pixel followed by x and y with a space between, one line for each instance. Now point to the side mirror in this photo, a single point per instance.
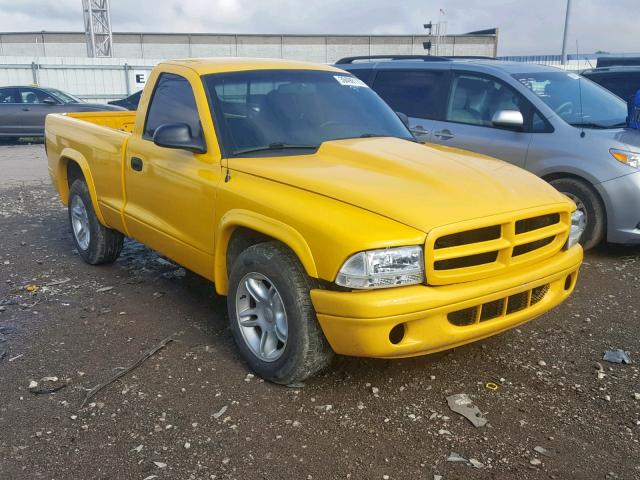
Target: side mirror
pixel 178 135
pixel 49 101
pixel 404 118
pixel 508 119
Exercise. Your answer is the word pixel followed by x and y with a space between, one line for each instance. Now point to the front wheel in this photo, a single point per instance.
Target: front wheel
pixel 271 315
pixel 589 203
pixel 95 243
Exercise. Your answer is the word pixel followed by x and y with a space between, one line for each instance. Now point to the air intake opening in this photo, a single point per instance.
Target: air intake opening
pixel 538 293
pixel 491 310
pixel 464 317
pixel 517 302
pixel 396 334
pixel 530 247
pixel 536 223
pixel 469 236
pixel 568 281
pixel 468 261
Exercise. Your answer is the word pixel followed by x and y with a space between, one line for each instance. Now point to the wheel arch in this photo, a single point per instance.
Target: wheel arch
pixel 71 162
pixel 559 175
pixel 251 228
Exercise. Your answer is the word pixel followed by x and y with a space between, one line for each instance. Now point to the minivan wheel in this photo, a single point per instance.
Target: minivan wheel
pixel 271 315
pixel 589 203
pixel 95 243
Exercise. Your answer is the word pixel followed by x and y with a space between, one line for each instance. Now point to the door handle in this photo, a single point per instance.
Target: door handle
pixel 25 109
pixel 136 164
pixel 419 130
pixel 443 134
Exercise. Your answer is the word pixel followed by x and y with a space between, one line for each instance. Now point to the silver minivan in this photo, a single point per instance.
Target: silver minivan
pixel 556 124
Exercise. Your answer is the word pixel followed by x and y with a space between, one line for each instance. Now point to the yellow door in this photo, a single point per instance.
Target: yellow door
pixel 170 192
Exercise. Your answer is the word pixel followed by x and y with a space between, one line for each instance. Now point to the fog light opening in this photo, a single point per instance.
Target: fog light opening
pixel 396 334
pixel 568 282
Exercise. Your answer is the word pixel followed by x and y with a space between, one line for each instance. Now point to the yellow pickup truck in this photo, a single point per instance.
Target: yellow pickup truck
pixel 306 200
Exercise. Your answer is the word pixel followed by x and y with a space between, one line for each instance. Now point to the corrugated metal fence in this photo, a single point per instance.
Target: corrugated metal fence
pixel 98 80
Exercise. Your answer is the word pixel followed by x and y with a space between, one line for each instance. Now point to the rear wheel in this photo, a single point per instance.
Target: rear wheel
pixel 271 315
pixel 96 243
pixel 589 203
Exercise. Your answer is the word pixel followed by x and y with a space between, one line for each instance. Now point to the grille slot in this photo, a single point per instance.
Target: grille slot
pixel 517 302
pixel 536 223
pixel 531 246
pixel 470 236
pixel 463 317
pixel 491 310
pixel 468 261
pixel 498 308
pixel 538 293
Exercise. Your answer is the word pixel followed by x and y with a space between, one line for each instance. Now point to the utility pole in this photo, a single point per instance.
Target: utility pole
pixel 566 28
pixel 97 28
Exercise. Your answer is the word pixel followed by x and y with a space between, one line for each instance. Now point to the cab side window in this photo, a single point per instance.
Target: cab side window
pixel 475 99
pixel 415 93
pixel 34 95
pixel 172 101
pixel 8 95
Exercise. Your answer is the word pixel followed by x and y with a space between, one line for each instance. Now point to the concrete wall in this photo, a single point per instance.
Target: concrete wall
pixel 315 48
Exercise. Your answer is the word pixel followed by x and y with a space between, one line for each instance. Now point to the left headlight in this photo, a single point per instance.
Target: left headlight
pixel 630 158
pixel 389 267
pixel 578 223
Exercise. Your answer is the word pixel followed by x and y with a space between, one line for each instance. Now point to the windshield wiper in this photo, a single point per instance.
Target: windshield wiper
pixel 380 135
pixel 276 146
pixel 597 125
pixel 588 125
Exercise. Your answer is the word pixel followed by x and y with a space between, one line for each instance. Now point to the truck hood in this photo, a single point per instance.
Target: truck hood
pixel 420 186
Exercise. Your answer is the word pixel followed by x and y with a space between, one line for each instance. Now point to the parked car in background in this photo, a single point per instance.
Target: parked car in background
pixel 23 109
pixel 622 80
pixel 303 197
pixel 558 125
pixel 130 103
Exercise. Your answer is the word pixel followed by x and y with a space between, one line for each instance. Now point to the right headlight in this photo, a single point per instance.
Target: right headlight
pixel 384 268
pixel 629 158
pixel 577 228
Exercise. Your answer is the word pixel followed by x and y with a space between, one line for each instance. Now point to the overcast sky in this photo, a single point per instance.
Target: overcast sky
pixel 526 26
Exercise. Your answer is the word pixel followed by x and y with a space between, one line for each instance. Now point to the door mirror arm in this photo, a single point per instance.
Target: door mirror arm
pixel 178 135
pixel 404 118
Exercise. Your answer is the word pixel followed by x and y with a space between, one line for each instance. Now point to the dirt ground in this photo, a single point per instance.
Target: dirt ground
pixel 194 411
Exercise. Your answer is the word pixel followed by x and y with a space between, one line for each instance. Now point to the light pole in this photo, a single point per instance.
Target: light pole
pixel 564 38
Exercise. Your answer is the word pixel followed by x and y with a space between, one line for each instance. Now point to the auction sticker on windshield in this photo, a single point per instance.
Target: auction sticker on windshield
pixel 350 81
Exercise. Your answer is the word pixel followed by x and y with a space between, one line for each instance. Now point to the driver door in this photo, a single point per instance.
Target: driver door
pixel 35 105
pixel 170 193
pixel 473 100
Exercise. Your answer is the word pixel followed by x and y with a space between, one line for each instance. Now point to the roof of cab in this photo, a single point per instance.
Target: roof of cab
pixel 204 66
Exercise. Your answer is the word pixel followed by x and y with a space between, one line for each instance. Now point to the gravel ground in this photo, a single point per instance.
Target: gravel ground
pixel 194 411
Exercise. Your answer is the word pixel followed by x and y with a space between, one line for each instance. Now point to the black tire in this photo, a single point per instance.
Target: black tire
pixel 306 351
pixel 596 220
pixel 104 244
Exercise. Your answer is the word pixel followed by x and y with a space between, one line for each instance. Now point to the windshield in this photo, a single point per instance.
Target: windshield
pixel 577 100
pixel 63 97
pixel 263 110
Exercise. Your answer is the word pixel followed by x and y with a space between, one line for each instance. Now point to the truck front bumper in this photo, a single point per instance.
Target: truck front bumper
pixel 417 320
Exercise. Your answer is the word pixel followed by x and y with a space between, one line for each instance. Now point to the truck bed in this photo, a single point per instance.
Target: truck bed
pixel 123 121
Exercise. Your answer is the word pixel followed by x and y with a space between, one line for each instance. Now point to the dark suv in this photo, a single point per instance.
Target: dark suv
pixel 623 80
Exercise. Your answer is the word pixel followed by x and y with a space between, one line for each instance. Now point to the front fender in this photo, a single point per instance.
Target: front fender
pixel 265 225
pixel 69 154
